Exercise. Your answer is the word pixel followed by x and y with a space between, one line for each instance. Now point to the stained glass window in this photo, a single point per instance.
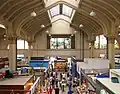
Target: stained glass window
pixel 67 43
pixel 53 44
pixel 60 43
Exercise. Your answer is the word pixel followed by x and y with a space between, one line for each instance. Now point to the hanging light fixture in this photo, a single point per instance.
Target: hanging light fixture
pixel 33 14
pixel 81 25
pixel 42 26
pixel 92 13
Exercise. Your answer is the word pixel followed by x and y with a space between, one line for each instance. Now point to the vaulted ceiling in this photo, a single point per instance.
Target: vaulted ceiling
pixel 17 13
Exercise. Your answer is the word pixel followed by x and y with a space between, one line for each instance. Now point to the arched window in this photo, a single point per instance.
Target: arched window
pixel 97 42
pixel 101 42
pixel 116 45
pixel 21 44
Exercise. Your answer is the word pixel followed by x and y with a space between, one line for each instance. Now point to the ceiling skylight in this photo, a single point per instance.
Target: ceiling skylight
pixel 67 10
pixel 55 10
pixel 61 9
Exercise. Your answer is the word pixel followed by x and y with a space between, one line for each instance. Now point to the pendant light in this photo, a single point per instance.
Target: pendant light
pixel 92 13
pixel 81 25
pixel 33 14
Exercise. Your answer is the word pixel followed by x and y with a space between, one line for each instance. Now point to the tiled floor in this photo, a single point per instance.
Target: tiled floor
pixel 60 91
pixel 66 91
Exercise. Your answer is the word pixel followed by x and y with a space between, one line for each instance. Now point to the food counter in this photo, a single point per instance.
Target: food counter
pixel 16 85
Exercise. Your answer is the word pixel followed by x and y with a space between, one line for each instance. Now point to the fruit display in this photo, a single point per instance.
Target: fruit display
pixel 60 65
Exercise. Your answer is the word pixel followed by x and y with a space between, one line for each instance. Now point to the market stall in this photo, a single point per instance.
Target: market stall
pixel 19 85
pixel 60 65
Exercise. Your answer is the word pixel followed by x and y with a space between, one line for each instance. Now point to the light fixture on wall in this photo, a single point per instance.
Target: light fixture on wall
pixel 33 14
pixel 4 36
pixel 119 26
pixel 92 13
pixel 47 31
pixel 2 26
pixel 75 31
pixel 50 35
pixel 72 34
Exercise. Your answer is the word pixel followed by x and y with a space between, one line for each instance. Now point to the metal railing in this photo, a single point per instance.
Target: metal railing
pixel 88 79
pixel 35 85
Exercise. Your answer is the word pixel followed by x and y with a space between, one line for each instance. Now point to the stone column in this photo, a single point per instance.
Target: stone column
pixel 12 53
pixel 29 50
pixel 91 51
pixel 111 51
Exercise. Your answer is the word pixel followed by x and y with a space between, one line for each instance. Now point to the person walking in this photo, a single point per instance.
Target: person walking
pixel 50 90
pixel 56 90
pixel 70 91
pixel 56 81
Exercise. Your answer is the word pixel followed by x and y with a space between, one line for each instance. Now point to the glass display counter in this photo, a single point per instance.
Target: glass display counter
pixel 106 86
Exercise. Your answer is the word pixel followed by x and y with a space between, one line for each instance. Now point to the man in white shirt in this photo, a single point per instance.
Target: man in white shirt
pixel 63 75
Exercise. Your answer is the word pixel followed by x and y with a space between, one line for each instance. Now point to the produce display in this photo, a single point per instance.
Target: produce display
pixel 60 65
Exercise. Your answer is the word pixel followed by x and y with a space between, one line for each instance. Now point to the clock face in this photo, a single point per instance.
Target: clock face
pixel 103 91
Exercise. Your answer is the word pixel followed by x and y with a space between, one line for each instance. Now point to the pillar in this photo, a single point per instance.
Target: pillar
pixel 29 50
pixel 13 53
pixel 111 51
pixel 91 52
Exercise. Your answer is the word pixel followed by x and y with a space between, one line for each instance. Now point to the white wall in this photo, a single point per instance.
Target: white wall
pixel 72 2
pixel 61 27
pixel 40 41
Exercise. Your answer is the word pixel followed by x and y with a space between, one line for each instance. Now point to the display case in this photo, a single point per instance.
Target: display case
pixel 106 86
